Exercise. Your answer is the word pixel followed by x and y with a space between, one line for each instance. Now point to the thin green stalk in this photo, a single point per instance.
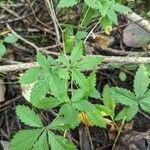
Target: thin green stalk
pixel 83 18
pixel 120 129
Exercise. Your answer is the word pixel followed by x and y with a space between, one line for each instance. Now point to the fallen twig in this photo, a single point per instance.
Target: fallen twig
pixel 139 20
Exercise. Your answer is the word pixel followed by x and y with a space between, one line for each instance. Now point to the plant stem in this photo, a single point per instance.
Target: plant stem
pixel 119 132
pixel 83 18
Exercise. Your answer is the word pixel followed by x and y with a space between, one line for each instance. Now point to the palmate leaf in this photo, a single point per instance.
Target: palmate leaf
pixel 77 52
pixel 128 112
pixel 90 62
pixel 40 89
pixel 25 139
pixel 141 81
pixel 94 4
pixel 123 96
pixel 30 75
pixel 28 116
pixel 42 61
pixel 78 94
pixel 59 142
pixel 112 16
pixel 120 8
pixel 41 143
pixel 79 78
pixel 96 119
pixel 108 99
pixel 70 115
pixel 46 103
pixel 66 3
pixel 145 102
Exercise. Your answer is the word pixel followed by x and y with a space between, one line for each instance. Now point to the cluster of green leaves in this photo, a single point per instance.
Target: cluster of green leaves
pixel 10 38
pixel 51 81
pixel 134 101
pixel 105 9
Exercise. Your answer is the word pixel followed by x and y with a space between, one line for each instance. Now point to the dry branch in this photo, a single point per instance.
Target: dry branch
pixel 107 59
pixel 139 20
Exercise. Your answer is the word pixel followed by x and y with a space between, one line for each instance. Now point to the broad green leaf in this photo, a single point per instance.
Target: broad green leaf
pixel 145 102
pixel 106 23
pixel 42 61
pixel 59 142
pixel 30 75
pixel 66 3
pixel 41 143
pixel 77 53
pixel 78 94
pixel 122 76
pixel 70 115
pixel 95 94
pixel 40 89
pixel 141 81
pixel 79 78
pixel 120 8
pixel 63 73
pixel 57 86
pixel 64 60
pixel 96 119
pixel 46 103
pixel 59 124
pixel 10 38
pixel 112 16
pixel 81 34
pixel 25 139
pixel 124 96
pixel 28 116
pixel 108 99
pixel 90 62
pixel 105 8
pixel 83 105
pixel 91 80
pixel 94 4
pixel 2 49
pixel 128 112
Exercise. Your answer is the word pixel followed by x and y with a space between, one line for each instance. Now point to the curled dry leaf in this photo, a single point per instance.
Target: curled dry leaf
pixel 2 91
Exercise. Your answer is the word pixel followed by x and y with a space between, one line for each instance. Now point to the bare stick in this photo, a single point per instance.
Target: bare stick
pixel 107 59
pixel 139 20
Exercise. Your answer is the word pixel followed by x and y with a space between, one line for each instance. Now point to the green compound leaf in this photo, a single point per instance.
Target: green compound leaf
pixel 70 115
pixel 79 78
pixel 121 8
pixel 46 103
pixel 59 142
pixel 108 99
pixel 78 94
pixel 145 102
pixel 94 4
pixel 40 89
pixel 141 81
pixel 30 75
pixel 66 3
pixel 128 112
pixel 2 50
pixel 25 139
pixel 96 119
pixel 112 16
pixel 43 61
pixel 90 62
pixel 41 143
pixel 124 96
pixel 10 38
pixel 77 53
pixel 28 116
